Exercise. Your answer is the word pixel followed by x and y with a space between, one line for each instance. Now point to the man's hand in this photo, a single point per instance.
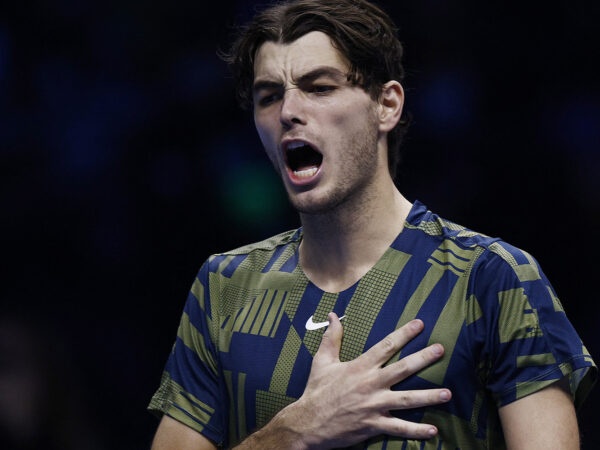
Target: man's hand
pixel 347 402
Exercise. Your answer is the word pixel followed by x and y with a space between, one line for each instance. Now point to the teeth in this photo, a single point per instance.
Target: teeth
pixel 305 173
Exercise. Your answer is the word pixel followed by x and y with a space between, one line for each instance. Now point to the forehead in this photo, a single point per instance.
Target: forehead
pixel 277 61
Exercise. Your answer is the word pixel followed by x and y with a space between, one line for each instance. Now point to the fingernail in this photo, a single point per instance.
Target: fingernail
pixel 432 432
pixel 416 324
pixel 445 396
pixel 437 349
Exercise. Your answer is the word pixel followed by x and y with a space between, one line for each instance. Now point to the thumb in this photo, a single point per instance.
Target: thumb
pixel 329 349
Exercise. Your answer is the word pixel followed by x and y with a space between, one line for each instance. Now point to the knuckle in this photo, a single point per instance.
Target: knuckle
pixel 404 399
pixel 403 370
pixel 388 344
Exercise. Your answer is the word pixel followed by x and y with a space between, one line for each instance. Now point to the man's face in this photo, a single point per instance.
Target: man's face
pixel 320 131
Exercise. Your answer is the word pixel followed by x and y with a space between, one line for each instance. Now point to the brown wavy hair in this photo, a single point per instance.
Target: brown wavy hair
pixel 360 30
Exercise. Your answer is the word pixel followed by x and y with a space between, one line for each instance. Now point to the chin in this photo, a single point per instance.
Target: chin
pixel 315 206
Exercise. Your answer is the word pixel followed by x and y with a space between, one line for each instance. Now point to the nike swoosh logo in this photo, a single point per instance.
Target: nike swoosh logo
pixel 310 325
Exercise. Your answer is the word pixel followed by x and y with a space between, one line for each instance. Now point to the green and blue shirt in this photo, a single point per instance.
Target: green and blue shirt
pixel 247 336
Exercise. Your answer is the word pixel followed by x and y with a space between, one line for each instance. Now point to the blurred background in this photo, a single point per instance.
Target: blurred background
pixel 125 162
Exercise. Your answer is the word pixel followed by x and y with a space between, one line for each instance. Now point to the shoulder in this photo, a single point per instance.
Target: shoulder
pixel 484 253
pixel 229 280
pixel 257 255
pixel 266 245
pixel 438 228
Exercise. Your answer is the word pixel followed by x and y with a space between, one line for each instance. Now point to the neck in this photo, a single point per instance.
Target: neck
pixel 340 246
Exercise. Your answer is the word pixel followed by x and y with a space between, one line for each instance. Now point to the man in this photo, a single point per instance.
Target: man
pixel 376 324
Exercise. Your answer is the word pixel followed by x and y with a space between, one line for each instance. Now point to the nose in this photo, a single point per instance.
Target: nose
pixel 292 105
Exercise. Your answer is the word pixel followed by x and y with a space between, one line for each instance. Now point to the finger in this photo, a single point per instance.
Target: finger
pixel 403 428
pixel 397 400
pixel 329 349
pixel 411 364
pixel 389 345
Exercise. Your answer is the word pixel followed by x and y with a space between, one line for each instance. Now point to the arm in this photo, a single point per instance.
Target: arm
pixel 543 420
pixel 173 435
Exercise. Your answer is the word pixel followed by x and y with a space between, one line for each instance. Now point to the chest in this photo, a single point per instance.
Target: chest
pixel 270 341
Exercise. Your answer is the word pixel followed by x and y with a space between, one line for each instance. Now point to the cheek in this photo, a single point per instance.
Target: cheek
pixel 272 158
pixel 263 126
pixel 348 115
pixel 268 143
pixel 263 132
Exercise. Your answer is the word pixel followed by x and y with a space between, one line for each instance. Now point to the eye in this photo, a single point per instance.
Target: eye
pixel 267 96
pixel 267 99
pixel 321 88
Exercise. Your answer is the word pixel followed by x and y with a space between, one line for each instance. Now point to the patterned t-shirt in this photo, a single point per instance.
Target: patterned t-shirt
pixel 247 335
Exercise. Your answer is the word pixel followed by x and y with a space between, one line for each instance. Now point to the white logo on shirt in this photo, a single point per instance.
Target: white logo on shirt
pixel 310 325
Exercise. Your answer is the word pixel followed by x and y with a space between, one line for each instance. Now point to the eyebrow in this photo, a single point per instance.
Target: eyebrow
pixel 312 75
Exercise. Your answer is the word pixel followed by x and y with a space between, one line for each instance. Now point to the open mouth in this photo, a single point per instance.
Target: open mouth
pixel 302 159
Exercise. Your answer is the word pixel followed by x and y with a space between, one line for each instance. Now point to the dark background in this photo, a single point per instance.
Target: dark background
pixel 125 162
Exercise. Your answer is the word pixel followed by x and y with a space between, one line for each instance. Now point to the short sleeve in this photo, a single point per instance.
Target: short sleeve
pixel 530 342
pixel 190 390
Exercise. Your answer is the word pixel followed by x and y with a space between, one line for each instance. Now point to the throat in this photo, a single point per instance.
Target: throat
pixel 337 250
pixel 335 262
pixel 334 280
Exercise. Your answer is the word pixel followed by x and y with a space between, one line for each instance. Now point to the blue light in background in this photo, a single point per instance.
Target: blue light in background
pixel 446 102
pixel 85 119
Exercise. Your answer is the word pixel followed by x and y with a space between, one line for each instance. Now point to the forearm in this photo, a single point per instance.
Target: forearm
pixel 285 430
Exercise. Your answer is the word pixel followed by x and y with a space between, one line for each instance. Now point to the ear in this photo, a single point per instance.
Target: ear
pixel 391 102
